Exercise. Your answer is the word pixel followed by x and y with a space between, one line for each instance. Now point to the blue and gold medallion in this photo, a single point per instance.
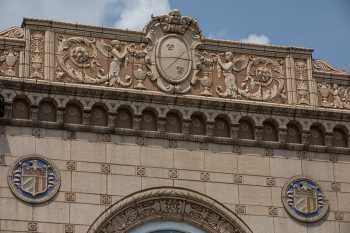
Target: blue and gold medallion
pixel 304 200
pixel 34 179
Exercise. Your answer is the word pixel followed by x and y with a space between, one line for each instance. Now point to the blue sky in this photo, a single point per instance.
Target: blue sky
pixel 323 25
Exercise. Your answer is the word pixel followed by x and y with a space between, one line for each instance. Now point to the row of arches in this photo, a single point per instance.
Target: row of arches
pixel 222 127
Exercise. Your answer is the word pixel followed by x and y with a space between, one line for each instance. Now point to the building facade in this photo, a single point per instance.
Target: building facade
pixel 109 131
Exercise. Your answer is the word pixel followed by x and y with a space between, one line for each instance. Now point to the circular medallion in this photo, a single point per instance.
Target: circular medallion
pixel 304 200
pixel 34 179
pixel 173 59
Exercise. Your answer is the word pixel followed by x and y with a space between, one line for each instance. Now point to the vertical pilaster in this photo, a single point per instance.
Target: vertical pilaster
pixel 49 56
pixel 291 87
pixel 27 52
pixel 313 83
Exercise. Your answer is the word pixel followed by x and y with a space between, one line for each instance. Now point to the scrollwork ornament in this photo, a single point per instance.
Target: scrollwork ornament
pixel 264 80
pixel 77 56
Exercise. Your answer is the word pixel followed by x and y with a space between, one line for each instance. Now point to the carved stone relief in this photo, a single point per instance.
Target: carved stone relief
pixel 302 82
pixel 169 60
pixel 37 55
pixel 168 204
pixel 172 39
pixel 323 67
pixel 9 62
pixel 334 95
pixel 13 33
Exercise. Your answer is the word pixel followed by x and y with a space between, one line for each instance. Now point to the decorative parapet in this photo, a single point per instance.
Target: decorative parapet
pixel 12 33
pixel 171 57
pixel 320 66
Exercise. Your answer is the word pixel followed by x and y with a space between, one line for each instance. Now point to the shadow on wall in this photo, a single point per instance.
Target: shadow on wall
pixel 4 145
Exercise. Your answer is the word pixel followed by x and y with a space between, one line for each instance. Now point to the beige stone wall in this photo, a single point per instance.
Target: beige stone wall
pixel 96 174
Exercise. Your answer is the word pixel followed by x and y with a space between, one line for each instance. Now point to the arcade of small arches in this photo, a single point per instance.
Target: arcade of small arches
pixel 149 120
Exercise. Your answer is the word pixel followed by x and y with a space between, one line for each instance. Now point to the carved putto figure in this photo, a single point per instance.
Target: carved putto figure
pixel 119 53
pixel 227 66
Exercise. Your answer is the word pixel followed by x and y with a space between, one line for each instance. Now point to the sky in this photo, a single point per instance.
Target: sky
pixel 323 25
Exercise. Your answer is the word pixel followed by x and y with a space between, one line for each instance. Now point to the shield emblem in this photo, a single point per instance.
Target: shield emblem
pixel 305 199
pixel 34 177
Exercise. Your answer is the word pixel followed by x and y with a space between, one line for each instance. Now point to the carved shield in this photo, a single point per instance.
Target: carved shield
pixel 34 178
pixel 173 59
pixel 305 201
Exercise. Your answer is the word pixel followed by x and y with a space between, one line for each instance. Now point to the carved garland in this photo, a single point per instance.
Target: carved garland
pixel 168 203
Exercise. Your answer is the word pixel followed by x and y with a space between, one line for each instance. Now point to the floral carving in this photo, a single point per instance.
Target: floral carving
pixel 37 53
pixel 168 204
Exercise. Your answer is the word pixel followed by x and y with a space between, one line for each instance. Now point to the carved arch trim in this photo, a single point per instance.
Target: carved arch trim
pixel 168 204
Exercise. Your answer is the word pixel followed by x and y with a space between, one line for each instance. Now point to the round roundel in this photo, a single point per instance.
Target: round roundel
pixel 34 179
pixel 304 200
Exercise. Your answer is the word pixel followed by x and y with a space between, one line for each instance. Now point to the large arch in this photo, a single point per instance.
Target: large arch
pixel 168 204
